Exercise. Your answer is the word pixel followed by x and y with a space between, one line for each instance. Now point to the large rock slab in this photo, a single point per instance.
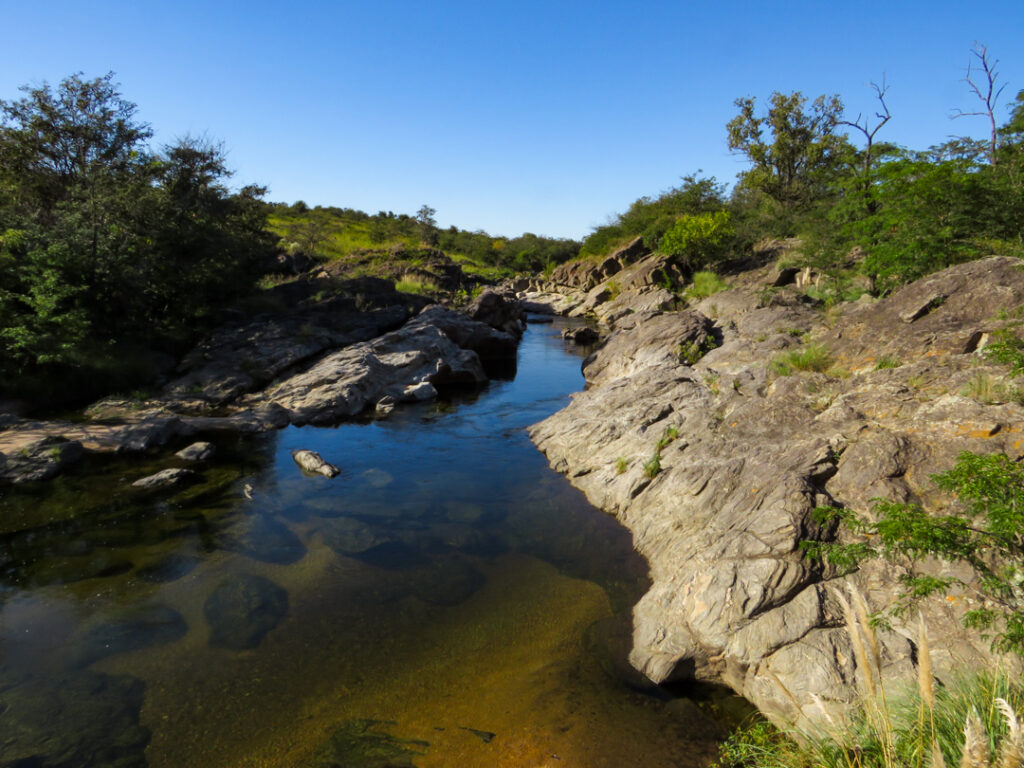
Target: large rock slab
pixel 344 383
pixel 745 455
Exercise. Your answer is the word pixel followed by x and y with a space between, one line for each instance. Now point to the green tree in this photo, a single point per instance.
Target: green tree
pixel 105 243
pixel 794 149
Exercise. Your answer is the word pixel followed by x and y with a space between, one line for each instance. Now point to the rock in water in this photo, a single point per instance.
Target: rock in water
pixel 196 452
pixel 243 609
pixel 129 631
pixel 167 478
pixel 311 461
pixel 79 719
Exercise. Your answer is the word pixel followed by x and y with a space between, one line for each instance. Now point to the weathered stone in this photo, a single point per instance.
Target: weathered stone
pixel 166 478
pixel 243 609
pixel 312 462
pixel 419 392
pixel 581 334
pixel 38 459
pixel 197 452
pixel 344 383
pixel 498 310
pixel 744 456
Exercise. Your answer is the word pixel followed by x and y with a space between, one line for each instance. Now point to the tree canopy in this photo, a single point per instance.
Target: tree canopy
pixel 104 242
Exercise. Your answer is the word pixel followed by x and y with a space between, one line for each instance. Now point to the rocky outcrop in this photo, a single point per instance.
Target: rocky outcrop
pixel 310 365
pixel 715 462
pixel 630 281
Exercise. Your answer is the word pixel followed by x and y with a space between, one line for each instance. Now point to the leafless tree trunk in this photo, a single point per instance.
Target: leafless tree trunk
pixel 986 92
pixel 869 136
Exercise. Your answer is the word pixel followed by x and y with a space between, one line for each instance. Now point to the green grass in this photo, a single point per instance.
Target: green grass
pixel 653 466
pixel 705 284
pixel 973 722
pixel 417 285
pixel 887 362
pixel 812 357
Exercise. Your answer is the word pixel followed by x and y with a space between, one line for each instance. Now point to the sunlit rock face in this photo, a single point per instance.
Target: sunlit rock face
pixel 715 460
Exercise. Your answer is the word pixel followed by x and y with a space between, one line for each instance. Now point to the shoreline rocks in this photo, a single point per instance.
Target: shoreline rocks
pixel 716 462
pixel 316 365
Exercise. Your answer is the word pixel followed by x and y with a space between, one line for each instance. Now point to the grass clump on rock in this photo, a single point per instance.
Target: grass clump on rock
pixel 813 358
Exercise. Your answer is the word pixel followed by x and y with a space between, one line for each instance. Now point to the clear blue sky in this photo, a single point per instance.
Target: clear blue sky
pixel 504 116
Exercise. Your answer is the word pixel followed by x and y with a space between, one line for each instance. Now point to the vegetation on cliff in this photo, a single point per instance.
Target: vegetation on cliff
pixel 866 207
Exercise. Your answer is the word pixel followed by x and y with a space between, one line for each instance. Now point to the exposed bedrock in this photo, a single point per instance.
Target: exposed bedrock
pixel 312 367
pixel 747 454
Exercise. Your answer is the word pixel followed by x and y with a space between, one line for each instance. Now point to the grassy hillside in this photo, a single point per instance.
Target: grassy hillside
pixel 333 234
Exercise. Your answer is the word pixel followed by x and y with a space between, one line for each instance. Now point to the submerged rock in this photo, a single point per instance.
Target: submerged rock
pixel 367 744
pixel 263 538
pixel 243 609
pixel 131 630
pixel 201 451
pixel 312 462
pixel 38 458
pixel 166 478
pixel 79 719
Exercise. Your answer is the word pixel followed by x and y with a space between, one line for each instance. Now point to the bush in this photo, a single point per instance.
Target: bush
pixel 700 240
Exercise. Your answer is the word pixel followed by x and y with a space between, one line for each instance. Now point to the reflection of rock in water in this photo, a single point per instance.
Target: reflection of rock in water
pixel 133 629
pixel 81 719
pixel 242 609
pixel 263 538
pixel 367 744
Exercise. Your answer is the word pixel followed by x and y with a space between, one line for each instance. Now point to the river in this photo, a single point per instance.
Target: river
pixel 448 600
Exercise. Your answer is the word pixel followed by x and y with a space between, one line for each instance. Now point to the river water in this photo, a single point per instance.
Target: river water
pixel 448 600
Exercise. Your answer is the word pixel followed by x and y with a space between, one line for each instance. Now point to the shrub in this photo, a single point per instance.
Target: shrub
pixel 699 239
pixel 959 724
pixel 985 532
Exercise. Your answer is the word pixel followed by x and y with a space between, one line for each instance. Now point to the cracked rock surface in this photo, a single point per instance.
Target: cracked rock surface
pixel 745 455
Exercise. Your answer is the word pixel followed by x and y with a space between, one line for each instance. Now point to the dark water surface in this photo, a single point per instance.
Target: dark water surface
pixel 448 600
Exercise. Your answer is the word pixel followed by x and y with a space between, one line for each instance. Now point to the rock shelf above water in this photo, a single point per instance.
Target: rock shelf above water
pixel 745 455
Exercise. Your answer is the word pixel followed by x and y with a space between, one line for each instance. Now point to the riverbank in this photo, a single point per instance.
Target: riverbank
pixel 713 433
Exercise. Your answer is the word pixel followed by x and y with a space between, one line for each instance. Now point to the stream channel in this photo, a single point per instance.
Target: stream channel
pixel 448 600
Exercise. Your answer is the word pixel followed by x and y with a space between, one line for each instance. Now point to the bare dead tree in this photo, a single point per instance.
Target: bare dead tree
pixel 869 134
pixel 984 87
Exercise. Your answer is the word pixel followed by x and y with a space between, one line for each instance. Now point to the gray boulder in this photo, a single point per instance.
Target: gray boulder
pixel 314 464
pixel 166 478
pixel 745 455
pixel 201 451
pixel 243 609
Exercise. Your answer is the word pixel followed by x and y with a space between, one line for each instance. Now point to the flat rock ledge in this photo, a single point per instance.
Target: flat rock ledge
pixel 747 454
pixel 437 349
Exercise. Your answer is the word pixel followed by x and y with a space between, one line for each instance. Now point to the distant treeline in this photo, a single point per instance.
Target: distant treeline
pixel 860 205
pixel 331 233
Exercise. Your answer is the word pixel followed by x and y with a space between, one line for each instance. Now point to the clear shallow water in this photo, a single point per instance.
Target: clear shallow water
pixel 448 600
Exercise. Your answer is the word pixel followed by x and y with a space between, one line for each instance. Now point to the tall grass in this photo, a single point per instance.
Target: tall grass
pixel 972 723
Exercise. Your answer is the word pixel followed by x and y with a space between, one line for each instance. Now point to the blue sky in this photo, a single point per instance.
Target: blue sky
pixel 545 117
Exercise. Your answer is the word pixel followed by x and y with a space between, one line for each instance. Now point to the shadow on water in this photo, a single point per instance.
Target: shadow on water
pixel 446 585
